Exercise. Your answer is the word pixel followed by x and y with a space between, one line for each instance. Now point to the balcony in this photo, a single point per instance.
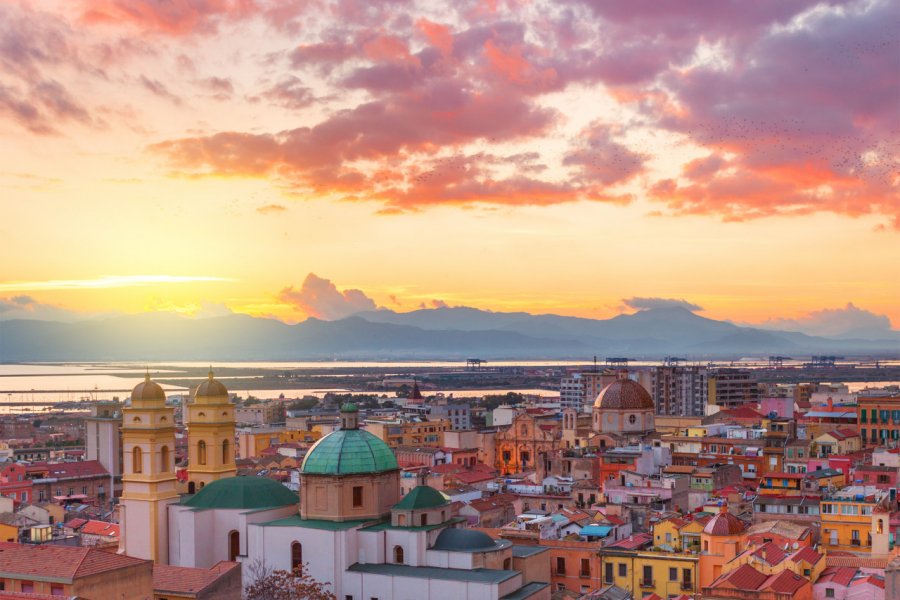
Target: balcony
pixel 687 586
pixel 854 542
pixel 648 583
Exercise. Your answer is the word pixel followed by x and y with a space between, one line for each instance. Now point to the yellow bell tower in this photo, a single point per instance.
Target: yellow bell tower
pixel 210 423
pixel 148 473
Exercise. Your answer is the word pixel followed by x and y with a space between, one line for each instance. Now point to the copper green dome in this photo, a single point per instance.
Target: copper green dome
pixel 349 407
pixel 422 496
pixel 243 492
pixel 348 451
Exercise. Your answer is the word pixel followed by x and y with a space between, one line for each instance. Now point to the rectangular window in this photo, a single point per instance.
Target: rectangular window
pixel 647 581
pixel 560 565
pixel 623 570
pixel 862 416
pixel 686 579
pixel 608 572
pixel 585 567
pixel 829 592
pixel 357 496
pixel 673 574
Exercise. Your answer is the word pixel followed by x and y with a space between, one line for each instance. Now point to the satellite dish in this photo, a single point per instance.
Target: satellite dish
pixel 795 545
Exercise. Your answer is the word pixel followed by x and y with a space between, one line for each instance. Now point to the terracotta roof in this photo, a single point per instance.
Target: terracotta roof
pixel 843 434
pixel 188 580
pixel 492 502
pixel 871 579
pixel 100 528
pixel 75 523
pixel 84 468
pixel 806 554
pixel 23 596
pixel 614 520
pixel 651 596
pixel 744 577
pixel 633 542
pixel 770 552
pixel 724 523
pixel 624 394
pixel 783 528
pixel 786 582
pixel 60 562
pixel 838 575
pixel 865 562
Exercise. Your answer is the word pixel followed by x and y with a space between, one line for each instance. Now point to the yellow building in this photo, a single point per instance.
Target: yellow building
pixel 9 533
pixel 148 472
pixel 395 433
pixel 210 424
pixel 839 441
pixel 252 441
pixel 682 535
pixel 847 517
pixel 667 574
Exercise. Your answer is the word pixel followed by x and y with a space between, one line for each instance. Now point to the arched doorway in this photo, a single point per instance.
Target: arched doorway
pixel 296 555
pixel 234 545
pixel 398 555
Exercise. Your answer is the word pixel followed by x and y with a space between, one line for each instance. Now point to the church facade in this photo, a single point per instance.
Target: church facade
pixel 349 527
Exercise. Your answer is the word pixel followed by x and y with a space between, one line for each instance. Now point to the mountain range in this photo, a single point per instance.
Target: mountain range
pixel 445 333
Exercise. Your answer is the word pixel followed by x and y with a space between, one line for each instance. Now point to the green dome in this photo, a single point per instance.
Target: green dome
pixel 348 451
pixel 349 407
pixel 422 496
pixel 243 492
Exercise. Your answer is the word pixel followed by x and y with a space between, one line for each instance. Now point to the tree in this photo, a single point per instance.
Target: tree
pixel 284 585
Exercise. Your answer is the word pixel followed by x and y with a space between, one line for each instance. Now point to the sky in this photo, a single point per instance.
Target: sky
pixel 294 159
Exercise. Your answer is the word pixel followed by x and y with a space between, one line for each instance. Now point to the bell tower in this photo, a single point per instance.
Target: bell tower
pixel 148 473
pixel 210 423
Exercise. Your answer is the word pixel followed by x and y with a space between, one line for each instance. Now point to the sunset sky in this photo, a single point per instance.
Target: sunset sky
pixel 208 156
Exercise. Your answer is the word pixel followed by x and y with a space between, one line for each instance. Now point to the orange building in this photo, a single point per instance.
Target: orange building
pixel 878 419
pixel 723 538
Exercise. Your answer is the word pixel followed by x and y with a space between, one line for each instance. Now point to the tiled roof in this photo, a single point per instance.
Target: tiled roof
pixel 871 579
pixel 188 580
pixel 782 528
pixel 838 575
pixel 100 528
pixel 770 552
pixel 806 554
pixel 76 470
pixel 864 562
pixel 744 577
pixel 492 502
pixel 786 582
pixel 60 562
pixel 75 523
pixel 633 542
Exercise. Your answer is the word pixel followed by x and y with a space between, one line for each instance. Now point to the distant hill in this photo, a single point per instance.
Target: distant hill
pixel 424 334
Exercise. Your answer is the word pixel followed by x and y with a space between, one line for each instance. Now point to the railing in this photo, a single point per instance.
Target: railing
pixel 648 583
pixel 854 542
pixel 687 586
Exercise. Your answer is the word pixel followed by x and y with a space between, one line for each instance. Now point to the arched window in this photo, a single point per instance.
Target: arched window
pixel 164 459
pixel 234 545
pixel 201 452
pixel 226 451
pixel 398 555
pixel 137 460
pixel 296 555
pixel 192 487
pixel 632 419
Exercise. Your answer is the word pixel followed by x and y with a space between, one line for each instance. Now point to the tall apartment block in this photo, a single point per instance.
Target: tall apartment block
pixel 731 387
pixel 678 390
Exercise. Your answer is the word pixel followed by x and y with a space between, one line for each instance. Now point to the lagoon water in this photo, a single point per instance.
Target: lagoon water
pixel 36 386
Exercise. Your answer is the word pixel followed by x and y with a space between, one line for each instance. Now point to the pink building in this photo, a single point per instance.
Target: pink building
pixel 782 407
pixel 848 583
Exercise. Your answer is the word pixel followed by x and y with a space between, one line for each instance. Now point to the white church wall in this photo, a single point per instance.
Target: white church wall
pixel 272 547
pixel 371 548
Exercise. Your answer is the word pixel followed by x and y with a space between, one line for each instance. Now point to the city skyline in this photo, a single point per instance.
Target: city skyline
pixel 555 158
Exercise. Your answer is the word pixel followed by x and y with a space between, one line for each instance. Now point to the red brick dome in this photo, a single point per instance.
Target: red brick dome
pixel 624 394
pixel 724 523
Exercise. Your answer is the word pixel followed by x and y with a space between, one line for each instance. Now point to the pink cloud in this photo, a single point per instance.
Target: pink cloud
pixel 320 298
